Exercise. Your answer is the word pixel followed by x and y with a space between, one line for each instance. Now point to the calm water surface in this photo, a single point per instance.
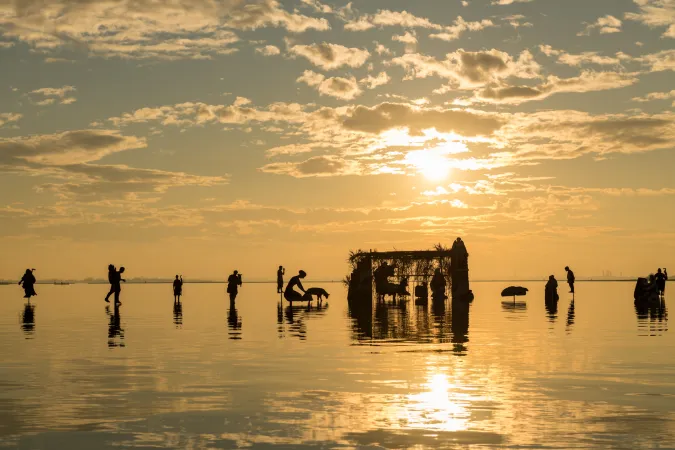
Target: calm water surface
pixel 76 375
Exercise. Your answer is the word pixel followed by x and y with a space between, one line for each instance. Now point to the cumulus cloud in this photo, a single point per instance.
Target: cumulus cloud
pixel 338 87
pixel 9 118
pixel 470 69
pixel 656 96
pixel 268 50
pixel 372 82
pixel 460 25
pixel 387 18
pixel 145 29
pixel 586 82
pixel 659 62
pixel 607 25
pixel 655 14
pixel 49 96
pixel 331 56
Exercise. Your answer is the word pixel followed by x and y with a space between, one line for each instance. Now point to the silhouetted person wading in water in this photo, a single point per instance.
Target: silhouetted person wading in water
pixel 292 295
pixel 233 283
pixel 177 288
pixel 28 283
pixel 570 278
pixel 280 279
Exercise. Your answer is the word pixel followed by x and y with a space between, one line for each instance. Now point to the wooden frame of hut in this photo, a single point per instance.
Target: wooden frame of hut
pixel 417 266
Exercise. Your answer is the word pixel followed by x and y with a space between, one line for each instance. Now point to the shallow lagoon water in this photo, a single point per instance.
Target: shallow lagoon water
pixel 75 375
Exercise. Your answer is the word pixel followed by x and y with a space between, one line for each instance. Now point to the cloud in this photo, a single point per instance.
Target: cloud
pixel 331 56
pixel 607 25
pixel 656 96
pixel 659 62
pixel 290 149
pixel 9 118
pixel 655 14
pixel 49 96
pixel 317 166
pixel 372 82
pixel 387 18
pixel 338 87
pixel 454 31
pixel 71 147
pixel 470 69
pixel 586 82
pixel 509 2
pixel 144 29
pixel 583 58
pixel 268 50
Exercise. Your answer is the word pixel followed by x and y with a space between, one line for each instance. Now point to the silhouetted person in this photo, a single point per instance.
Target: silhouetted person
pixel 114 278
pixel 28 283
pixel 177 288
pixel 291 294
pixel 233 283
pixel 28 319
pixel 280 279
pixel 570 278
pixel 660 279
pixel 551 290
pixel 117 285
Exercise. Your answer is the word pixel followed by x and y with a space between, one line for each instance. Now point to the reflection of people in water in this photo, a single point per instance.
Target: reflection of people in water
pixel 28 319
pixel 177 288
pixel 570 278
pixel 280 279
pixel 178 313
pixel 570 315
pixel 291 294
pixel 233 283
pixel 234 322
pixel 28 283
pixel 115 327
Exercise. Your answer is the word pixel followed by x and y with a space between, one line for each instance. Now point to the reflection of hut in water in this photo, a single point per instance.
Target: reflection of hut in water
pixel 391 272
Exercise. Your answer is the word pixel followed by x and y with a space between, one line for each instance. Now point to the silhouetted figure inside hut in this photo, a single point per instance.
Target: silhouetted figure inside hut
pixel 28 283
pixel 177 288
pixel 280 279
pixel 115 330
pixel 381 276
pixel 28 319
pixel 551 290
pixel 661 279
pixel 234 322
pixel 438 285
pixel 570 279
pixel 459 326
pixel 233 283
pixel 178 313
pixel 290 293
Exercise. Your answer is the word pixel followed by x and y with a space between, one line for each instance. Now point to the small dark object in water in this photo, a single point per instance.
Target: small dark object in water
pixel 513 291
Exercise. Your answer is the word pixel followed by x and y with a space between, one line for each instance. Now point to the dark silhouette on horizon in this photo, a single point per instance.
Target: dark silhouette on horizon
pixel 438 286
pixel 384 287
pixel 661 278
pixel 646 290
pixel 291 294
pixel 551 298
pixel 115 279
pixel 280 279
pixel 320 294
pixel 115 331
pixel 28 319
pixel 570 279
pixel 28 283
pixel 513 291
pixel 233 283
pixel 177 288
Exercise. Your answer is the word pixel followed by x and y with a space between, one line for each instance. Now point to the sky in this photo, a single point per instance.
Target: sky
pixel 202 136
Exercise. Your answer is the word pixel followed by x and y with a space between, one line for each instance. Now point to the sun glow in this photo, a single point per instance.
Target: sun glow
pixel 434 163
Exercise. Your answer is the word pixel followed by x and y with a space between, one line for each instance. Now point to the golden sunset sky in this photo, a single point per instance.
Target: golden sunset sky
pixel 201 136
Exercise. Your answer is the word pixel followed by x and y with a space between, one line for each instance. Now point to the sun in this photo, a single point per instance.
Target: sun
pixel 434 163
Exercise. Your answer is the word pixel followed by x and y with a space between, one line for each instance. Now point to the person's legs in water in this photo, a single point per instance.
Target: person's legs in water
pixel 111 292
pixel 571 288
pixel 117 296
